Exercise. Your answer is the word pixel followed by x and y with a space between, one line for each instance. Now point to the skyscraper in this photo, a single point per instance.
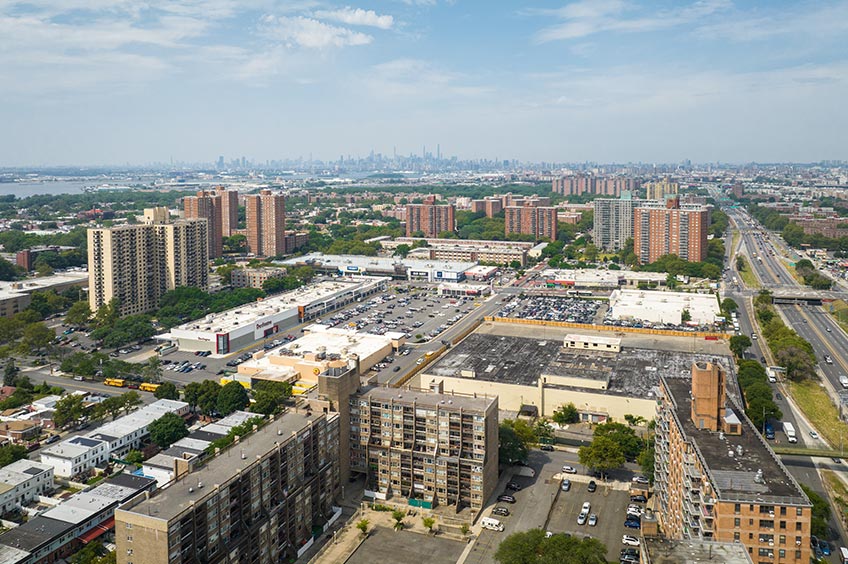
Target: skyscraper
pixel 136 264
pixel 660 189
pixel 540 222
pixel 670 229
pixel 229 210
pixel 266 223
pixel 208 206
pixel 429 219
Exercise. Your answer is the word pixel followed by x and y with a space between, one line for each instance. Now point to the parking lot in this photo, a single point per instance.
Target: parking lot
pixel 553 308
pixel 385 545
pixel 608 504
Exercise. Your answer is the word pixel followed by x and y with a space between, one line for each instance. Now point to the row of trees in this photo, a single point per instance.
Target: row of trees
pixel 535 547
pixel 759 398
pixel 793 233
pixel 789 349
pixel 612 445
pixel 805 269
pixel 71 409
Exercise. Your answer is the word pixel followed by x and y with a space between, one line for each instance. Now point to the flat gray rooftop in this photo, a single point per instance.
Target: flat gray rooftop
pixel 734 475
pixel 664 551
pixel 169 502
pixel 509 359
pixel 425 398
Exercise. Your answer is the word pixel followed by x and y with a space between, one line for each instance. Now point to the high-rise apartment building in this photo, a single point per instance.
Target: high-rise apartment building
pixel 716 478
pixel 491 206
pixel 229 210
pixel 429 219
pixel 670 228
pixel 660 189
pixel 540 222
pixel 439 448
pixel 266 223
pixel 208 206
pixel 260 500
pixel 578 184
pixel 136 264
pixel 613 222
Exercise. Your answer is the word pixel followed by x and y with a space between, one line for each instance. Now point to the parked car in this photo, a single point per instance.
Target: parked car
pixel 814 435
pixel 581 519
pixel 566 485
pixel 593 520
pixel 630 540
pixel 502 511
pixel 640 480
pixel 513 486
pixel 52 439
pixel 569 470
pixel 633 524
pixel 592 486
pixel 547 448
pixel 639 498
pixel 506 498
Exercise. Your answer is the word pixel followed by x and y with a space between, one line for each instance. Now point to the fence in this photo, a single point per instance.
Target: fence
pixel 709 335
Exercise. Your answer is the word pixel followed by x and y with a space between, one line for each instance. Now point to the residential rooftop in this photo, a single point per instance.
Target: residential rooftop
pixel 134 421
pixel 517 360
pixel 20 287
pixel 355 263
pixel 168 502
pixel 426 398
pixel 21 471
pixel 733 461
pixel 665 551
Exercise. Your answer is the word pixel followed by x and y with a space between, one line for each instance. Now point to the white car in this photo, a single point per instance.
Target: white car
pixel 586 507
pixel 640 480
pixel 569 470
pixel 593 520
pixel 581 519
pixel 630 540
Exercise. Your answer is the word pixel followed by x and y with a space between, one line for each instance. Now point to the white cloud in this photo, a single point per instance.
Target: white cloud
pixel 357 16
pixel 311 33
pixel 588 17
pixel 414 79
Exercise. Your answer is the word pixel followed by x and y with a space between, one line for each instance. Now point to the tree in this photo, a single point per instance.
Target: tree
pixel 232 397
pixel 511 448
pixel 604 454
pixel 167 430
pixel 78 314
pixel 202 395
pixel 153 370
pixel 9 372
pixel 134 457
pixel 634 420
pixel 402 250
pixel 362 525
pixel 729 305
pixel 107 314
pixel 646 460
pixel 820 513
pixel 566 414
pixel 685 316
pixel 739 344
pixel 129 400
pixel 623 435
pixel 35 337
pixel 11 453
pixel 68 410
pixel 398 516
pixel 671 281
pixel 532 547
pixel 428 523
pixel 167 390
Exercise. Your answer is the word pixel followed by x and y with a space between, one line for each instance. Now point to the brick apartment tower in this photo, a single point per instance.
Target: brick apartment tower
pixel 429 218
pixel 208 206
pixel 708 395
pixel 266 224
pixel 540 222
pixel 670 229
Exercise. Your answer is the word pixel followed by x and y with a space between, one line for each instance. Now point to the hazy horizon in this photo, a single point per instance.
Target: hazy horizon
pixel 88 82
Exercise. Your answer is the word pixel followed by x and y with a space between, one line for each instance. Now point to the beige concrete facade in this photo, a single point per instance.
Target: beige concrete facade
pixel 136 264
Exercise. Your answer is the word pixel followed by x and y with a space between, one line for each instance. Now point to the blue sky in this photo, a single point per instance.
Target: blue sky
pixel 125 81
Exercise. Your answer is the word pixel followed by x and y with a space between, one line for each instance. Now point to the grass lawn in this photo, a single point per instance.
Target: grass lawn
pixel 839 493
pixel 734 240
pixel 748 277
pixel 839 313
pixel 819 410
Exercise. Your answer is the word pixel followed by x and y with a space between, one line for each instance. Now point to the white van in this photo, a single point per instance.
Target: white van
pixel 491 524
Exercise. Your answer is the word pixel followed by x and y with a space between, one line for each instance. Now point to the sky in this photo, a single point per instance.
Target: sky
pixel 129 81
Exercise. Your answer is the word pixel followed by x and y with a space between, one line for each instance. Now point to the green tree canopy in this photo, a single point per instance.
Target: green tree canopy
pixel 167 430
pixel 604 454
pixel 531 547
pixel 565 414
pixel 232 397
pixel 167 390
pixel 739 344
pixel 622 434
pixel 69 410
pixel 511 448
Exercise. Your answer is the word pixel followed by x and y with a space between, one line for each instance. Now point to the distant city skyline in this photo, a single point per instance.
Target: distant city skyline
pixel 91 83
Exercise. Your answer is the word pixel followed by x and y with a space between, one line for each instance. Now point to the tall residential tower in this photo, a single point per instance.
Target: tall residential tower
pixel 266 223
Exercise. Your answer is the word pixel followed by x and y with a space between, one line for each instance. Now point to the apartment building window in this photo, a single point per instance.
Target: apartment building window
pixel 782 539
pixel 782 553
pixel 798 526
pixel 798 541
pixel 782 511
pixel 737 522
pixel 799 511
pixel 737 508
pixel 797 555
pixel 736 536
pixel 783 525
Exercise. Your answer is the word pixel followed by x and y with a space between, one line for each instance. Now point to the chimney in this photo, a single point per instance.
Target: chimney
pixel 708 395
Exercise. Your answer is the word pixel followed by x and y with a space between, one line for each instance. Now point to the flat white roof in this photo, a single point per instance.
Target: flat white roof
pixel 71 448
pixel 82 506
pixel 341 262
pixel 595 275
pixel 20 287
pixel 136 420
pixel 22 471
pixel 663 307
pixel 227 321
pixel 481 269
